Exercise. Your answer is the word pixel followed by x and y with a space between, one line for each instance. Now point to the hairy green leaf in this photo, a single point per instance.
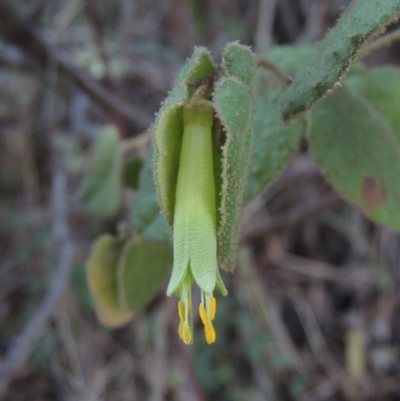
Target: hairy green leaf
pixel 361 21
pixel 359 154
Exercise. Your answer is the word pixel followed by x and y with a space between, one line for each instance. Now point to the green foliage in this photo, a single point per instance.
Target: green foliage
pixel 359 155
pixel 124 276
pixel 101 187
pixel 381 87
pixel 289 59
pixel 273 144
pixel 142 269
pixel 335 53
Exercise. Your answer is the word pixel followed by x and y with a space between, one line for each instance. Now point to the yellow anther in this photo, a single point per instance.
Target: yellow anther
pixel 203 315
pixel 213 307
pixel 181 310
pixel 180 330
pixel 186 333
pixel 210 333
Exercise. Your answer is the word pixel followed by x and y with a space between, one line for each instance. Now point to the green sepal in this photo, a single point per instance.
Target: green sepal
pixel 233 106
pixel 168 129
pixel 238 61
pixel 220 286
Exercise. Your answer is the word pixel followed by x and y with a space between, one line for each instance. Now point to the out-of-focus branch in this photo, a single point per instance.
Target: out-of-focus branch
pixel 293 217
pixel 382 41
pixel 266 14
pixel 19 352
pixel 23 34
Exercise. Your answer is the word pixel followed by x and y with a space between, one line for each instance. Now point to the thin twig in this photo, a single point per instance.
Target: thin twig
pixel 267 65
pixel 19 352
pixel 19 32
pixel 265 21
pixel 382 41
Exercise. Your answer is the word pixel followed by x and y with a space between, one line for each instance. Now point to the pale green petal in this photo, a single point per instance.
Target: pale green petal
pixel 195 231
pixel 220 284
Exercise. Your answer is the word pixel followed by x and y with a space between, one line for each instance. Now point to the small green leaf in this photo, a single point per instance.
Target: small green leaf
pixel 101 187
pixel 273 143
pixel 131 172
pixel 142 269
pixel 101 271
pixel 359 154
pixel 147 218
pixel 381 87
pixel 361 21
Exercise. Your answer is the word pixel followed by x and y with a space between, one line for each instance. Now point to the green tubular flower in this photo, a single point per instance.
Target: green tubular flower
pixel 202 143
pixel 195 222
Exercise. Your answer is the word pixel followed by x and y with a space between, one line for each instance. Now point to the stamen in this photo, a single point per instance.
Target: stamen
pixel 202 313
pixel 180 330
pixel 210 333
pixel 209 330
pixel 181 310
pixel 213 307
pixel 186 333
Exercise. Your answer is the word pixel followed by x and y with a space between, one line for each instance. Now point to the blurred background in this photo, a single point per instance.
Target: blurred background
pixel 313 311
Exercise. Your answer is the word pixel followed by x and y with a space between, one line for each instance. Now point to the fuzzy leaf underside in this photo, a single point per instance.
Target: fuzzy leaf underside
pixel 360 22
pixel 147 218
pixel 101 271
pixel 168 128
pixel 102 186
pixel 359 154
pixel 141 270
